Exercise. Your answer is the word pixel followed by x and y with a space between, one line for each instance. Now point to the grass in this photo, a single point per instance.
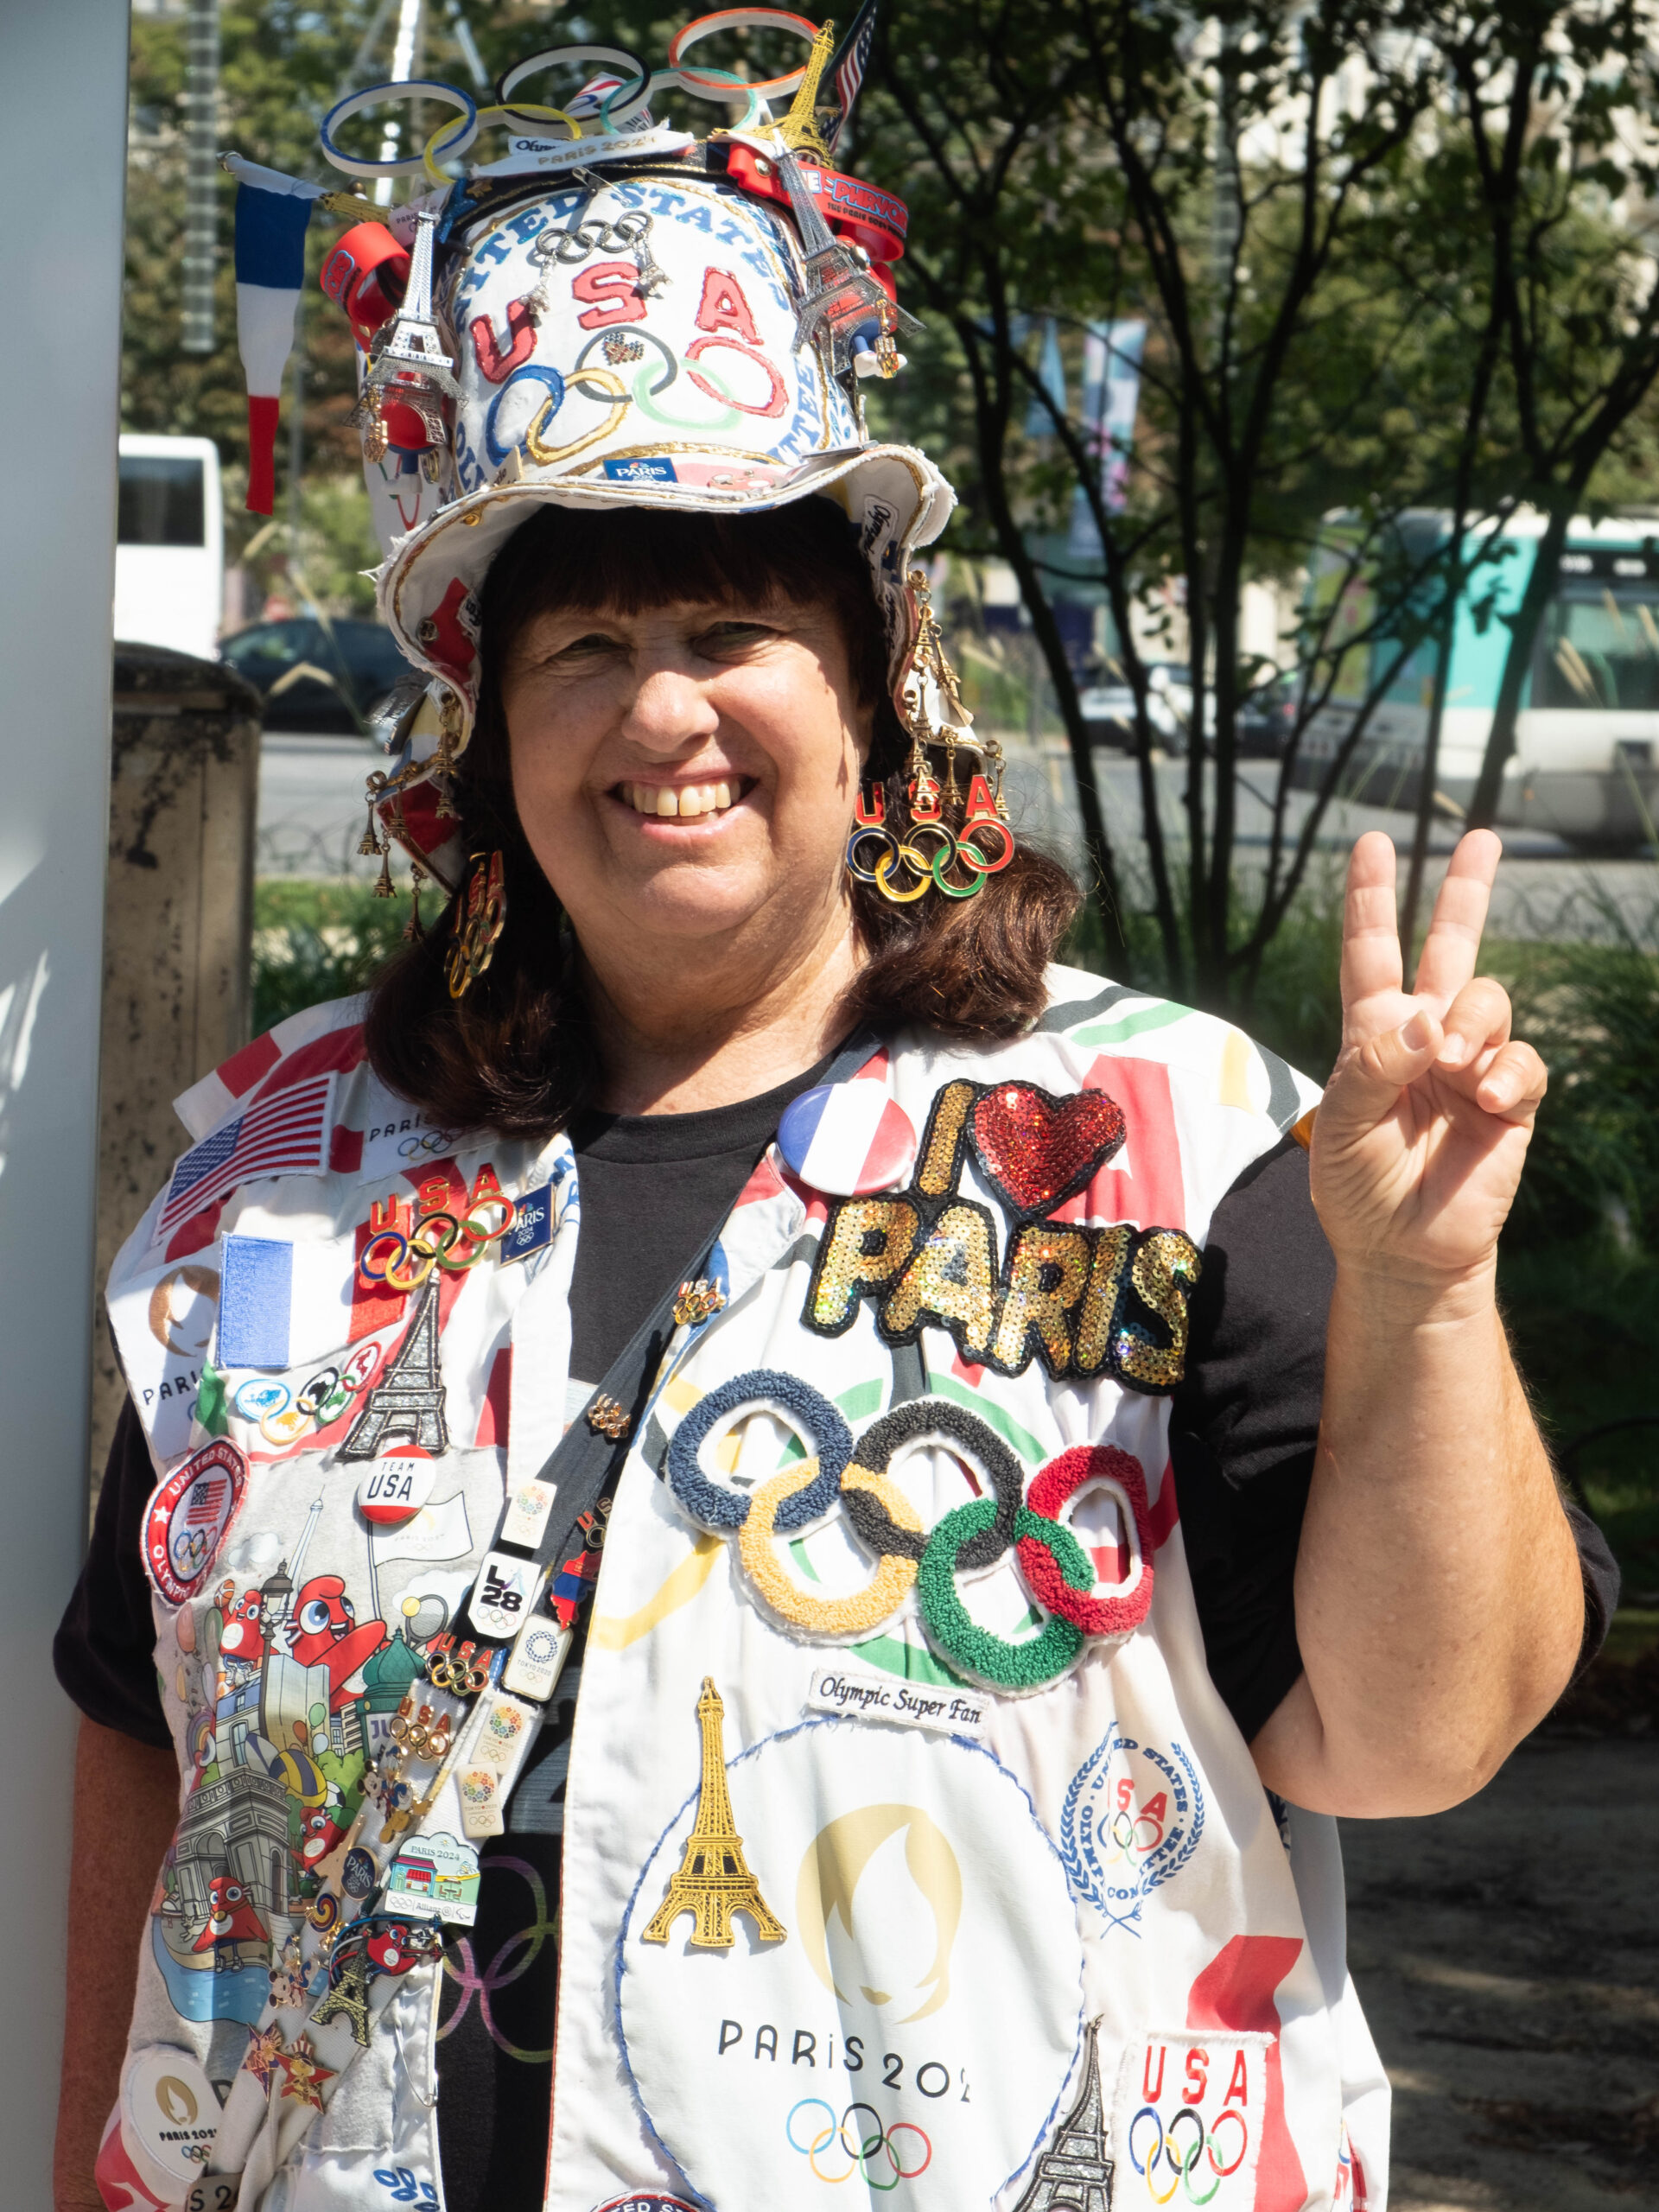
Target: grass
pixel 1578 1271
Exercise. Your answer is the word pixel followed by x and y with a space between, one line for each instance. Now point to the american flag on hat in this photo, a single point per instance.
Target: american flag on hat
pixel 847 70
pixel 279 1134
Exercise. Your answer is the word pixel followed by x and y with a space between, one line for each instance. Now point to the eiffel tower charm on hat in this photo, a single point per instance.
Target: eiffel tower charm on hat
pixel 408 360
pixel 714 1881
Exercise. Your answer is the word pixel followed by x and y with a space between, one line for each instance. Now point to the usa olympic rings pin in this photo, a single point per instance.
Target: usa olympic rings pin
pixel 452 1240
pixel 912 1563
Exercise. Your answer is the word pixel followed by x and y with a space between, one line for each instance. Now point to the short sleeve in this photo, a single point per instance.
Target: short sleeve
pixel 105 1649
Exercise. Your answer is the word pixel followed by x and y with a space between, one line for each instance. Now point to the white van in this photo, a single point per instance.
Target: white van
pixel 169 545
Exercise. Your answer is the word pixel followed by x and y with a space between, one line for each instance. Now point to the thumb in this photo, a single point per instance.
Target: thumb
pixel 1369 1078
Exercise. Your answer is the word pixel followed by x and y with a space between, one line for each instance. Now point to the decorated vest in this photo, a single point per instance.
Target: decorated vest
pixel 910 1856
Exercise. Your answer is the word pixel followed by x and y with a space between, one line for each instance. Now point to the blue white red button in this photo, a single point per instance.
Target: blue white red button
pixel 848 1139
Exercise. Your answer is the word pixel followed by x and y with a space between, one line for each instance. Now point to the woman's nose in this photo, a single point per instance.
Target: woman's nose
pixel 670 710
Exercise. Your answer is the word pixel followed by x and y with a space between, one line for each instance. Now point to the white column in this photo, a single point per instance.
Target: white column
pixel 62 173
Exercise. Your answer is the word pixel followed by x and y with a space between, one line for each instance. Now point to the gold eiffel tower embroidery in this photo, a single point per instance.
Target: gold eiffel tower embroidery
pixel 714 1881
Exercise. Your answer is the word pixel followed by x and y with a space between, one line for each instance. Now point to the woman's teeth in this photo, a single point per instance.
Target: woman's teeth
pixel 683 800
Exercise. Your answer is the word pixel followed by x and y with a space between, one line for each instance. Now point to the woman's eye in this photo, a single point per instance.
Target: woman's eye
pixel 585 648
pixel 733 637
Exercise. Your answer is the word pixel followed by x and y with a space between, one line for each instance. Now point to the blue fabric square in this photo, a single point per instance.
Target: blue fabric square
pixel 255 1292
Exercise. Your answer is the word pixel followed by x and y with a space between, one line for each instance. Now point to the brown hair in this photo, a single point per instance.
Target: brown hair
pixel 517 1053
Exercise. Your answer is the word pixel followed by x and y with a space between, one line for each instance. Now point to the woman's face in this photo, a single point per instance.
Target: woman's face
pixel 687 772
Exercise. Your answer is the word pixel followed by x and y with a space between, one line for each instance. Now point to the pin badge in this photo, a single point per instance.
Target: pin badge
pixel 258 1397
pixel 392 1492
pixel 501 1595
pixel 171 2111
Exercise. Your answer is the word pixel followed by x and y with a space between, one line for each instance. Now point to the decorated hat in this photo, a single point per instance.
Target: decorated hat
pixel 616 313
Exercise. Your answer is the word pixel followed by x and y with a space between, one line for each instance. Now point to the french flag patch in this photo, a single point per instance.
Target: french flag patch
pixel 848 1139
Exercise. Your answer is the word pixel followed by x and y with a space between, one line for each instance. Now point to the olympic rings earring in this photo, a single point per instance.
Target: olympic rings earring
pixel 926 847
pixel 476 933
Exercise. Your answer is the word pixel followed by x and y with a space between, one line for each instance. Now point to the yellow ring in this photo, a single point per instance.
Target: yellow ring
pixel 607 380
pixel 492 115
pixel 900 898
pixel 837 1617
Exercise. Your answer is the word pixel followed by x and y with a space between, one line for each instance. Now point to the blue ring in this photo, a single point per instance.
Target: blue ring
pixel 717 1508
pixel 552 382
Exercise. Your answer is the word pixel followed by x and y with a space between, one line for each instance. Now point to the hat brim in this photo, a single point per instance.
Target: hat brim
pixel 462 540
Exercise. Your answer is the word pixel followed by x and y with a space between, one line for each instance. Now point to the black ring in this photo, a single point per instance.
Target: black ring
pixel 916 1419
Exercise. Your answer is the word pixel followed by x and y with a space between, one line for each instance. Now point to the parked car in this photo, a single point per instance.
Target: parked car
pixel 1266 719
pixel 312 675
pixel 1109 708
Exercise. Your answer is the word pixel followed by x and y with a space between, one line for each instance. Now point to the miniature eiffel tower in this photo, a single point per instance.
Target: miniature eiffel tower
pixel 1074 2174
pixel 349 1995
pixel 799 128
pixel 713 1882
pixel 408 1401
pixel 407 359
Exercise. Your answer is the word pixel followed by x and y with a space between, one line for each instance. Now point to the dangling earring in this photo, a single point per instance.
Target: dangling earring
pixel 934 715
pixel 484 918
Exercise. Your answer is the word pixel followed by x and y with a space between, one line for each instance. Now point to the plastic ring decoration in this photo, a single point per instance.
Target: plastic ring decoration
pixel 969 853
pixel 460 136
pixel 854 865
pixel 740 19
pixel 883 869
pixel 734 87
pixel 1123 1611
pixel 980 1652
pixel 860 1611
pixel 633 95
pixel 429 155
pixel 759 1390
pixel 941 862
pixel 543 455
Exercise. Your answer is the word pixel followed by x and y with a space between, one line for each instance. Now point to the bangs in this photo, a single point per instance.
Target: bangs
pixel 628 560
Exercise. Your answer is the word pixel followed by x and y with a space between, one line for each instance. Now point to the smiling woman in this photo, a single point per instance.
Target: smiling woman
pixel 730 1254
pixel 676 714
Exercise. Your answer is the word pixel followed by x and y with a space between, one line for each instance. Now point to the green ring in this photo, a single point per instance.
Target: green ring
pixel 643 402
pixel 989 1658
pixel 950 889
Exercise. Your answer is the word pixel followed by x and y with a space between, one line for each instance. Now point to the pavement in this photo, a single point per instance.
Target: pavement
pixel 1507 1956
pixel 311 817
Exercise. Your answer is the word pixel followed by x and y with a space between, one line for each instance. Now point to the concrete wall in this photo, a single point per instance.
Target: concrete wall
pixel 63 171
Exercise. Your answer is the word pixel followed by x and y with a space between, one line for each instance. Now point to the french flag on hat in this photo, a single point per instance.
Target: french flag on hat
pixel 848 1139
pixel 272 211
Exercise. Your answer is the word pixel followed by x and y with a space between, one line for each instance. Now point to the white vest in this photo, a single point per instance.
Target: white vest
pixel 925 1873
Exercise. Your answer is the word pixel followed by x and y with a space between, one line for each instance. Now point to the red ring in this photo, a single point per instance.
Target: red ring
pixel 971 855
pixel 1059 1482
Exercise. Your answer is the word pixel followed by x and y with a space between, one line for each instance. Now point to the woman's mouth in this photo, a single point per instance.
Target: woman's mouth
pixel 683 802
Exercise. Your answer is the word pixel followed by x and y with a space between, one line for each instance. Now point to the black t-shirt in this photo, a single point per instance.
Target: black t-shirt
pixel 1244 1425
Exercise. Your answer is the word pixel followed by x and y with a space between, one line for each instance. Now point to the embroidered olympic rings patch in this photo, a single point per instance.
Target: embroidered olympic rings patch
pixel 1056 1570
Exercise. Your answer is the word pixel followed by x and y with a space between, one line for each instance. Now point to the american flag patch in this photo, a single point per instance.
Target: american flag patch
pixel 281 1134
pixel 206 1500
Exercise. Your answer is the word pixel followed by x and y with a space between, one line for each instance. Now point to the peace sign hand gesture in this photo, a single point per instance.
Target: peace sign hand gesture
pixel 1422 1135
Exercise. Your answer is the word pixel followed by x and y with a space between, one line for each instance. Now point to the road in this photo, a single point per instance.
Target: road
pixel 311 817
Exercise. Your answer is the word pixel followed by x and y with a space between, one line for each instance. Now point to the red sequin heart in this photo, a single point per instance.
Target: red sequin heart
pixel 1037 1150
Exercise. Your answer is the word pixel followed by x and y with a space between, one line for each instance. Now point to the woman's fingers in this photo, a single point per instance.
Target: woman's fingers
pixel 1513 1087
pixel 1371 933
pixel 1453 944
pixel 1477 1018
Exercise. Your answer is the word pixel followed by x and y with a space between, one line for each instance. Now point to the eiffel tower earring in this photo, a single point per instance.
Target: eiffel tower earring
pixel 484 919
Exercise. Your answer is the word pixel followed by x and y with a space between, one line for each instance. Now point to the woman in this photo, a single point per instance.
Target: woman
pixel 730 1272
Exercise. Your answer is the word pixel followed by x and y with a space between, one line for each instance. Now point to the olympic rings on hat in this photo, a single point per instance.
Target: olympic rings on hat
pixel 460 134
pixel 635 94
pixel 429 155
pixel 739 19
pixel 610 385
pixel 761 1390
pixel 1053 1566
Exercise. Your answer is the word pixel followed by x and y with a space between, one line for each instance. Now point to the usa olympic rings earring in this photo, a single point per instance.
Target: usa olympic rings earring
pixel 921 849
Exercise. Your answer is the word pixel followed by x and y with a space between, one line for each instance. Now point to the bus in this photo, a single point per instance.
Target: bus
pixel 1585 764
pixel 169 545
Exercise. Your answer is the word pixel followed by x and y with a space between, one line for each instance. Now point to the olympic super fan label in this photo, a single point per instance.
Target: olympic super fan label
pixel 187 1516
pixel 861 1696
pixel 1186 2124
